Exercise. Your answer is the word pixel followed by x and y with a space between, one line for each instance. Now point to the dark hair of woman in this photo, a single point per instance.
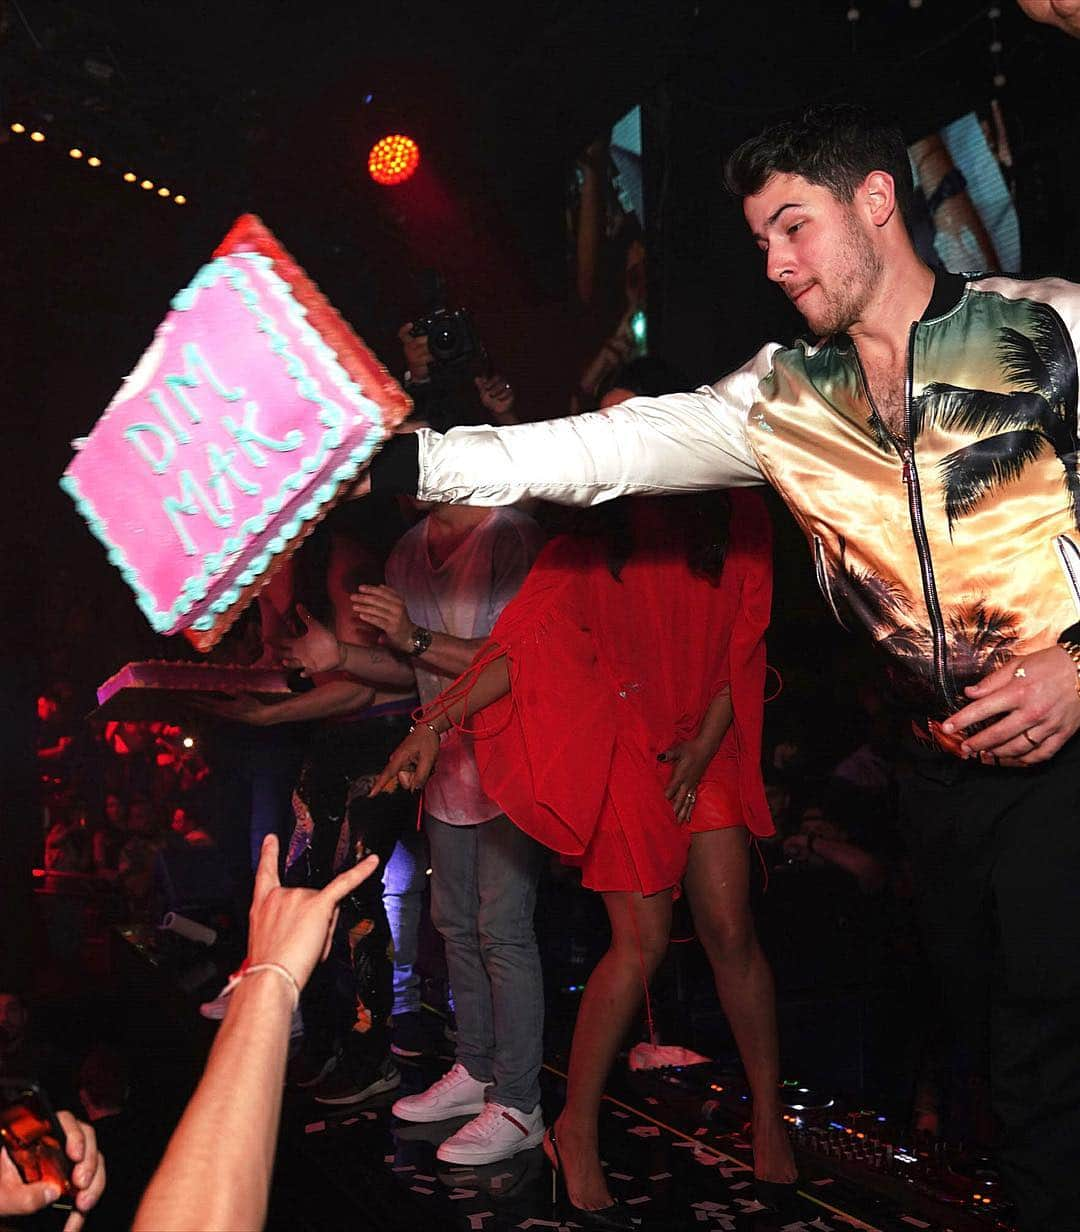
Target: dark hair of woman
pixel 699 522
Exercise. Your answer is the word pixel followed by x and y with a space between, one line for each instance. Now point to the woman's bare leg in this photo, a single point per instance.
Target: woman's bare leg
pixel 718 887
pixel 639 938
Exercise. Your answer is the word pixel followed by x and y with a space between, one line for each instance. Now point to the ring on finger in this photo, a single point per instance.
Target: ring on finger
pixel 1028 737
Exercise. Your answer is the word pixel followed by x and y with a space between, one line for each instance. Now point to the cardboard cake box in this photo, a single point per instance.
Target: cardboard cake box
pixel 245 421
pixel 155 689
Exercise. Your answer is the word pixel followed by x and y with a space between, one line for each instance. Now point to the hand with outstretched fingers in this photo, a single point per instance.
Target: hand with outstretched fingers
pixel 384 608
pixel 293 927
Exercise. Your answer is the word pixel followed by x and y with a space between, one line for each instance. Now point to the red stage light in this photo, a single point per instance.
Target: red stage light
pixel 393 159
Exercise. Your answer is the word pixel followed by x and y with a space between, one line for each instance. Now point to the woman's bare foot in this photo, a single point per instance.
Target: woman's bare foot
pixel 773 1158
pixel 582 1174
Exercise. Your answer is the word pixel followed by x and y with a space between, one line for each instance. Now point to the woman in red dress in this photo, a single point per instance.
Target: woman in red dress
pixel 618 710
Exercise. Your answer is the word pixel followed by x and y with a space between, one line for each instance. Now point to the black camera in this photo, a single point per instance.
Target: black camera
pixel 452 338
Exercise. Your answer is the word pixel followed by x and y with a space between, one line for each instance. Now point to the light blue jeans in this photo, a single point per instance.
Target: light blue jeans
pixel 483 895
pixel 403 897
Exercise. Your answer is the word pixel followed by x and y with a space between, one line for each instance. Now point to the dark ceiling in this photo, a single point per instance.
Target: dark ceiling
pixel 218 94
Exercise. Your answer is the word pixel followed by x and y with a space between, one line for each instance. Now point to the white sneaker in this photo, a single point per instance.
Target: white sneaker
pixel 215 1010
pixel 497 1133
pixel 457 1093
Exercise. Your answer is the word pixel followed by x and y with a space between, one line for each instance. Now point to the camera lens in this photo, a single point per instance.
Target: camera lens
pixel 444 340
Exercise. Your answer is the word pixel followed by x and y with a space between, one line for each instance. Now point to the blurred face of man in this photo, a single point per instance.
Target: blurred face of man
pixel 818 249
pixel 138 817
pixel 12 1019
pixel 815 822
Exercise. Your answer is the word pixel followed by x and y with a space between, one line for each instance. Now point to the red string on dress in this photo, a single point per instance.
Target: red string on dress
pixel 644 980
pixel 461 689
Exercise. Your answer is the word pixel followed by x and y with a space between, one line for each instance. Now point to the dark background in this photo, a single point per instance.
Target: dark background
pixel 259 106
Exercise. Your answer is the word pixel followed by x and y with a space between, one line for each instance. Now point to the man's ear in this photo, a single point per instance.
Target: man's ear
pixel 879 193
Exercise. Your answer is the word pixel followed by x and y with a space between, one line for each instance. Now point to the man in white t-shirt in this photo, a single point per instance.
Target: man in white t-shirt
pixel 448 580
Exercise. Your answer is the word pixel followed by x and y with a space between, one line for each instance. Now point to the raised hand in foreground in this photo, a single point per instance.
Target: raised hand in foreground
pixel 293 927
pixel 217 1168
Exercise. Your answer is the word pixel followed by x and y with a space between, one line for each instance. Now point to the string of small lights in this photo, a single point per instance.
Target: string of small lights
pixel 993 14
pixel 77 154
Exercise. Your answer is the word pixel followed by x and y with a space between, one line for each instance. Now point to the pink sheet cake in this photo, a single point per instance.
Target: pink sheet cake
pixel 246 419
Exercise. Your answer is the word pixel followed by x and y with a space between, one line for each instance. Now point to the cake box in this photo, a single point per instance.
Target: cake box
pixel 155 689
pixel 247 418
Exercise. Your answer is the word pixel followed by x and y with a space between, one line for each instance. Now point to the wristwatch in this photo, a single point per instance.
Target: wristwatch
pixel 420 640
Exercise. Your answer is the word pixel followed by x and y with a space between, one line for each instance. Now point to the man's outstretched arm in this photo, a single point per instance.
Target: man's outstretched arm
pixel 680 443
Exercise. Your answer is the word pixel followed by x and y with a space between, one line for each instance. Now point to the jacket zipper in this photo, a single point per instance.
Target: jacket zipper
pixel 918 525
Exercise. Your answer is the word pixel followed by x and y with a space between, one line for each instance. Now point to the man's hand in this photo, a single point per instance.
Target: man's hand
pixel 317 651
pixel 294 927
pixel 689 759
pixel 19 1198
pixel 384 608
pixel 1065 14
pixel 496 394
pixel 1034 698
pixel 411 764
pixel 417 353
pixel 797 847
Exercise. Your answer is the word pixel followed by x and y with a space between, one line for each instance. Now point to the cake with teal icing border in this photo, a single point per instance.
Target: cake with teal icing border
pixel 357 404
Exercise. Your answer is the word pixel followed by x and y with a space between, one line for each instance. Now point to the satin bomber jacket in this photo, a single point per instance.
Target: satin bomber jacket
pixel 956 546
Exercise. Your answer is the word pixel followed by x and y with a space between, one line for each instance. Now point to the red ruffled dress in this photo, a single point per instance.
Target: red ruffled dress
pixel 607 674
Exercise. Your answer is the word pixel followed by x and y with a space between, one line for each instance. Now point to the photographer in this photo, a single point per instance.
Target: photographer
pixel 448 373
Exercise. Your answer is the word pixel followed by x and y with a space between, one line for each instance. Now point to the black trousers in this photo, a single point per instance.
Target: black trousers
pixel 996 855
pixel 348 1001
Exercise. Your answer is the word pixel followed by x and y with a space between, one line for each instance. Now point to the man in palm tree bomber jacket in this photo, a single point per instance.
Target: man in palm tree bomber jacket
pixel 943 516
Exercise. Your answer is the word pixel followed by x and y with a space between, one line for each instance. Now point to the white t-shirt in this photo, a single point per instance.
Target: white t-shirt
pixel 462 597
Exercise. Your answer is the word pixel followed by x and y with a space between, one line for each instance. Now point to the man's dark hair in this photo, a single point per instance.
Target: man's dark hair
pixel 104 1076
pixel 835 145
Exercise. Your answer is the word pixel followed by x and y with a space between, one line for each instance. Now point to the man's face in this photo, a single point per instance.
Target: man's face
pixel 12 1019
pixel 817 248
pixel 138 817
pixel 815 822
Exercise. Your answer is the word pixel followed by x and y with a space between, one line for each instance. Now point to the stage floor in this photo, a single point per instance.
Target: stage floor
pixel 364 1169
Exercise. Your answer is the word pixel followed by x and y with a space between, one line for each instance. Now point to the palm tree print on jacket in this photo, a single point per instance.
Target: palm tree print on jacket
pixel 1040 409
pixel 979 637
